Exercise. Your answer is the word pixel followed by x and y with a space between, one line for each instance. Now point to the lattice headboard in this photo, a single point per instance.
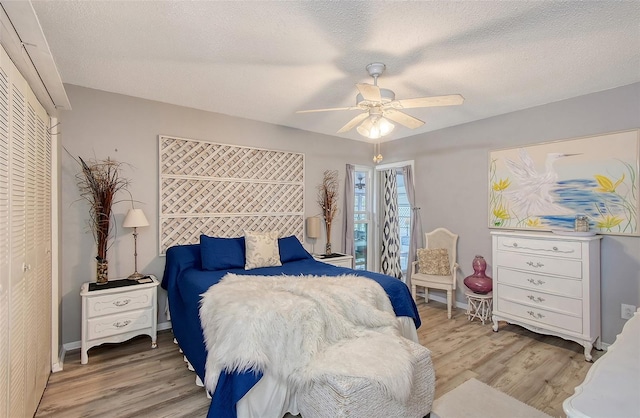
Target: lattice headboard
pixel 222 190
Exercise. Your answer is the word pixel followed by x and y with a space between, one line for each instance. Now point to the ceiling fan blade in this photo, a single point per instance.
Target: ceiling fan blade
pixel 328 109
pixel 369 92
pixel 402 118
pixel 449 100
pixel 353 122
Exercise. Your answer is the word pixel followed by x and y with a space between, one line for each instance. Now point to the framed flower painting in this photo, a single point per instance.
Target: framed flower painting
pixel 545 186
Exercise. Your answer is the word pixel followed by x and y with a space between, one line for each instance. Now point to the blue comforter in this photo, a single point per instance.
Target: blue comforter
pixel 185 282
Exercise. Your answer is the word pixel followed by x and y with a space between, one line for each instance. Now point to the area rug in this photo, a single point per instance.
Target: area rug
pixel 474 399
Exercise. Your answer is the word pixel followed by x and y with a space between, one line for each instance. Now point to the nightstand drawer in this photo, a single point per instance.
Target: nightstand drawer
pixel 119 324
pixel 120 302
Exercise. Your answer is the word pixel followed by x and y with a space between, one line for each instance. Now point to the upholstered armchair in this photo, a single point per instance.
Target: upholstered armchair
pixel 439 268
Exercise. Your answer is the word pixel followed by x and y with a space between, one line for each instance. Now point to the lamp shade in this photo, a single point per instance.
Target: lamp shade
pixel 313 227
pixel 135 218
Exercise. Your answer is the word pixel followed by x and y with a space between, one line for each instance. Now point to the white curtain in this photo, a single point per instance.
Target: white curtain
pixel 390 251
pixel 415 239
pixel 349 204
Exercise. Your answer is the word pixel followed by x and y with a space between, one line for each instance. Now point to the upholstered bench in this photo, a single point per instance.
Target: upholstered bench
pixel 357 397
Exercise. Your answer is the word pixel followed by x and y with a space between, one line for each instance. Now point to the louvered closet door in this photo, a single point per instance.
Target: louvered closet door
pixel 5 250
pixel 18 303
pixel 25 245
pixel 39 252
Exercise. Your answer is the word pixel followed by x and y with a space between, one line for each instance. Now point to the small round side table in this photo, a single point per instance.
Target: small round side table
pixel 479 306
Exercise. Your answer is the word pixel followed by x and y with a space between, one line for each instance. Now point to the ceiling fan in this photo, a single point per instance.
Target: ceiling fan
pixel 380 105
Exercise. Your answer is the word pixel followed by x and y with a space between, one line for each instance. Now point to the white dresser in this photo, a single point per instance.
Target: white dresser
pixel 549 284
pixel 113 315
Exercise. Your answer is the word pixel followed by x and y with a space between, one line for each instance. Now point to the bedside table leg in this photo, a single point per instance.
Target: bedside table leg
pixel 84 357
pixel 154 344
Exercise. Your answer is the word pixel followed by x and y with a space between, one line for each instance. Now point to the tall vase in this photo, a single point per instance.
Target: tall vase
pixel 327 249
pixel 102 271
pixel 479 282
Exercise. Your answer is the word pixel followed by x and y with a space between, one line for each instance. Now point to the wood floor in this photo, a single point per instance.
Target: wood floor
pixel 133 380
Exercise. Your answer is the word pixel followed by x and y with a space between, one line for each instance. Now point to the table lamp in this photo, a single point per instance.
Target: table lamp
pixel 313 230
pixel 135 218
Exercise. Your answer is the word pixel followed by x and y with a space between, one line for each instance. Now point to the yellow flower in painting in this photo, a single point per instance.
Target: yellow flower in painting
pixel 501 213
pixel 606 185
pixel 534 222
pixel 609 222
pixel 501 185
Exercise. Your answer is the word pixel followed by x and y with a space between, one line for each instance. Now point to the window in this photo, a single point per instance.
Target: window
pixel 363 218
pixel 404 210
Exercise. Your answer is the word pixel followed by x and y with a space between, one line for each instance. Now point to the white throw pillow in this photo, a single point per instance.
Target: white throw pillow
pixel 261 249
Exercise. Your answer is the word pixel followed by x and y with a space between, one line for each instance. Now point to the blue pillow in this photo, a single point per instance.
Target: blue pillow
pixel 221 253
pixel 291 249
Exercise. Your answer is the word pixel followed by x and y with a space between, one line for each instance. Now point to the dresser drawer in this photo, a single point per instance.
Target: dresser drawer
pixel 119 302
pixel 540 282
pixel 540 299
pixel 537 264
pixel 101 327
pixel 567 249
pixel 540 317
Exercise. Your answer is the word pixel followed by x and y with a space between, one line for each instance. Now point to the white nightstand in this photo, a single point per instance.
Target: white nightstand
pixel 114 315
pixel 341 261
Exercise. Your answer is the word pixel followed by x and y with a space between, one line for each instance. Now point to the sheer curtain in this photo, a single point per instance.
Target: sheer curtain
pixel 416 221
pixel 349 204
pixel 390 251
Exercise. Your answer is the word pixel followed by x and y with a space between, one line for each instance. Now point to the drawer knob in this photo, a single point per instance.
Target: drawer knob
pixel 515 244
pixel 535 265
pixel 121 324
pixel 121 302
pixel 555 248
pixel 536 282
pixel 535 315
pixel 536 298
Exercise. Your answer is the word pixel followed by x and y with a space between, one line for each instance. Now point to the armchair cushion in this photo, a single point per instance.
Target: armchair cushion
pixel 434 261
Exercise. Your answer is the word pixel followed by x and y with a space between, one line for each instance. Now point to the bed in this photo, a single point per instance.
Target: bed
pixel 189 273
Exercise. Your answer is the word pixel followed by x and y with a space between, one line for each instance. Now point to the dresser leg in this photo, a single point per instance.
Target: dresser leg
pixel 84 357
pixel 495 325
pixel 587 351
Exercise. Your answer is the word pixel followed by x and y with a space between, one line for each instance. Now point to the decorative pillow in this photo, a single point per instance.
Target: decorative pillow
pixel 261 249
pixel 221 253
pixel 434 261
pixel 291 249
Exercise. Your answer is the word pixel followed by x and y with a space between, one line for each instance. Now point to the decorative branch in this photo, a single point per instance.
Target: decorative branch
pixel 99 181
pixel 327 198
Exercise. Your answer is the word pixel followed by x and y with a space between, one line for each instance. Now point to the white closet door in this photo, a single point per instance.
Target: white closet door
pixel 42 273
pixel 5 250
pixel 25 245
pixel 17 200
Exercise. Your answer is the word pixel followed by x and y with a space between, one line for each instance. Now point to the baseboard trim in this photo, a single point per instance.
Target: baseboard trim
pixel 443 299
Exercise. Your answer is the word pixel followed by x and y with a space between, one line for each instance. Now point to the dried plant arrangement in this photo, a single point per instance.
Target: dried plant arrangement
pixel 99 181
pixel 327 198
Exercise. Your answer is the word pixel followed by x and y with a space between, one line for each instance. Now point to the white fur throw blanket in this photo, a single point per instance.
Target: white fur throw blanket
pixel 303 328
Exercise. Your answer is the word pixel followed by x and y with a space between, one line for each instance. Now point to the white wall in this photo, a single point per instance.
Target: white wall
pixel 450 174
pixel 126 129
pixel 452 181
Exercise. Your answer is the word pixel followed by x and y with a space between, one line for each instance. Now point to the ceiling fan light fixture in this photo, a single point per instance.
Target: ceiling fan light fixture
pixel 375 126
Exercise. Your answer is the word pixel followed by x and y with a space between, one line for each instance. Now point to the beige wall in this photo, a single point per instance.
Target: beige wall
pixel 452 175
pixel 126 129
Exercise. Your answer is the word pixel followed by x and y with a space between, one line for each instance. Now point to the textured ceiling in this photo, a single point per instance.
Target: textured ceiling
pixel 265 60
